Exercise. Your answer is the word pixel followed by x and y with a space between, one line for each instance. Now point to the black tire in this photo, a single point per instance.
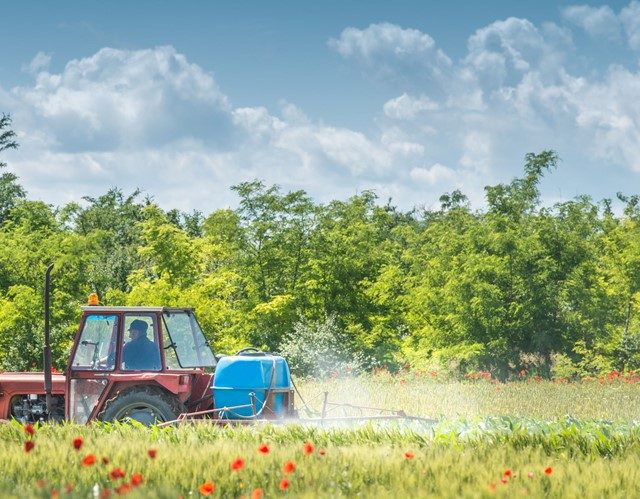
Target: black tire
pixel 145 404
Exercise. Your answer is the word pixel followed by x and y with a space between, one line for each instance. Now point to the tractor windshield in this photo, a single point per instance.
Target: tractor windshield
pixel 96 349
pixel 187 340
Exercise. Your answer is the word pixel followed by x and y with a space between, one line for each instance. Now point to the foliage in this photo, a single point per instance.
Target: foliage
pixel 515 286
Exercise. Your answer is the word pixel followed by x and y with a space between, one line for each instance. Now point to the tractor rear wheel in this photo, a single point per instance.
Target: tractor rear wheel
pixel 147 405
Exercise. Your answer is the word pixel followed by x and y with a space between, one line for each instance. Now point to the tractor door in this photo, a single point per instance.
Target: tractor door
pixel 92 360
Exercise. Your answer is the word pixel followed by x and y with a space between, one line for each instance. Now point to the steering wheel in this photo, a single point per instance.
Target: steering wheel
pixel 250 350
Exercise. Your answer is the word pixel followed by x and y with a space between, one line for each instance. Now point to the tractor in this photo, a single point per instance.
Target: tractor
pixel 148 364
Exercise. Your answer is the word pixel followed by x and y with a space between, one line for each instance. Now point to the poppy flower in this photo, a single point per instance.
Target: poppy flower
pixel 409 455
pixel 257 494
pixel 504 481
pixel 289 467
pixel 207 488
pixel 105 460
pixel 237 464
pixel 105 493
pixel 68 488
pixel 263 449
pixel 322 451
pixel 77 443
pixel 152 453
pixel 284 484
pixel 136 479
pixel 307 448
pixel 548 470
pixel 88 460
pixel 530 474
pixel 507 473
pixel 123 489
pixel 117 473
pixel 29 445
pixel 29 429
pixel 491 487
pixel 54 493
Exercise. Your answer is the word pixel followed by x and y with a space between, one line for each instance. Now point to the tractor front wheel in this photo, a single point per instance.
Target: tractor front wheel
pixel 147 405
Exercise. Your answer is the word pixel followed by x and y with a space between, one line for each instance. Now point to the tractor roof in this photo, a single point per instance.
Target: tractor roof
pixel 102 308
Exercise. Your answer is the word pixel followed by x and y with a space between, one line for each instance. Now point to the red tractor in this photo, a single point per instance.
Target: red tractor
pixel 143 363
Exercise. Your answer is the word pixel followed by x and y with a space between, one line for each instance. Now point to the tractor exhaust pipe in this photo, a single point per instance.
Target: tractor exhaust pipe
pixel 48 384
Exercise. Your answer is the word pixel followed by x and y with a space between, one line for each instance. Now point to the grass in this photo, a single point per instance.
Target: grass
pixel 590 453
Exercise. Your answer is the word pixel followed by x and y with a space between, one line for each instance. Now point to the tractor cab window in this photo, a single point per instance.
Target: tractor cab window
pixel 187 340
pixel 96 350
pixel 140 351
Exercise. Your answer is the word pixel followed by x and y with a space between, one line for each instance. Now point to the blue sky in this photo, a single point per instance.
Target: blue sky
pixel 410 98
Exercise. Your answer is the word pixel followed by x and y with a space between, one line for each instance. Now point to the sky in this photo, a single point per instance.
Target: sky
pixel 410 99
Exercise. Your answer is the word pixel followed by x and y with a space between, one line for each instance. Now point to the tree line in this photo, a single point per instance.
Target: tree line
pixel 516 285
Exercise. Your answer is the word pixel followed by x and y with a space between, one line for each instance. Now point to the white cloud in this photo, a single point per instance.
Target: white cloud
pixel 40 62
pixel 501 53
pixel 630 18
pixel 151 119
pixel 388 49
pixel 406 107
pixel 596 21
pixel 119 98
pixel 433 174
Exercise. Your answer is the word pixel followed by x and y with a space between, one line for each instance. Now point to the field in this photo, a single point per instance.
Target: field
pixel 523 438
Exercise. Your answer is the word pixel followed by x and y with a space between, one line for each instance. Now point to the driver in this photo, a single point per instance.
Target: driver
pixel 140 353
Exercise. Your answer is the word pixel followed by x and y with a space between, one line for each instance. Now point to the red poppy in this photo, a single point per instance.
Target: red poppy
pixel 307 448
pixel 548 470
pixel 409 455
pixel 207 488
pixel 88 460
pixel 68 488
pixel 29 445
pixel 507 472
pixel 284 484
pixel 123 489
pixel 29 429
pixel 54 493
pixel 289 467
pixel 117 473
pixel 77 443
pixel 152 453
pixel 136 479
pixel 504 481
pixel 105 460
pixel 263 449
pixel 322 451
pixel 237 464
pixel 105 493
pixel 491 487
pixel 257 494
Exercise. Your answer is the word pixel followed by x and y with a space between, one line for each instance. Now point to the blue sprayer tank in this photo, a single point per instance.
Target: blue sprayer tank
pixel 265 375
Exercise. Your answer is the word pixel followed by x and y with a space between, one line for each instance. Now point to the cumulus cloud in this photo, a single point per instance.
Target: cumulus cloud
pixel 390 50
pixel 500 54
pixel 40 62
pixel 432 174
pixel 630 18
pixel 596 21
pixel 406 107
pixel 151 119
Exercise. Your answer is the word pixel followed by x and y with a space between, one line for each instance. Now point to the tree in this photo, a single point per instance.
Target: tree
pixel 10 190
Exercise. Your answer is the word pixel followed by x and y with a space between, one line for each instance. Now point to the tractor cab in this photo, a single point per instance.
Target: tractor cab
pixel 123 349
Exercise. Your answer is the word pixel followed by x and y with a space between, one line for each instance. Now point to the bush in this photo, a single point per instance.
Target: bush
pixel 320 349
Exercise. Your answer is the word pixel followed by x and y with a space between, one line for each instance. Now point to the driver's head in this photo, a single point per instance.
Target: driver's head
pixel 137 329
